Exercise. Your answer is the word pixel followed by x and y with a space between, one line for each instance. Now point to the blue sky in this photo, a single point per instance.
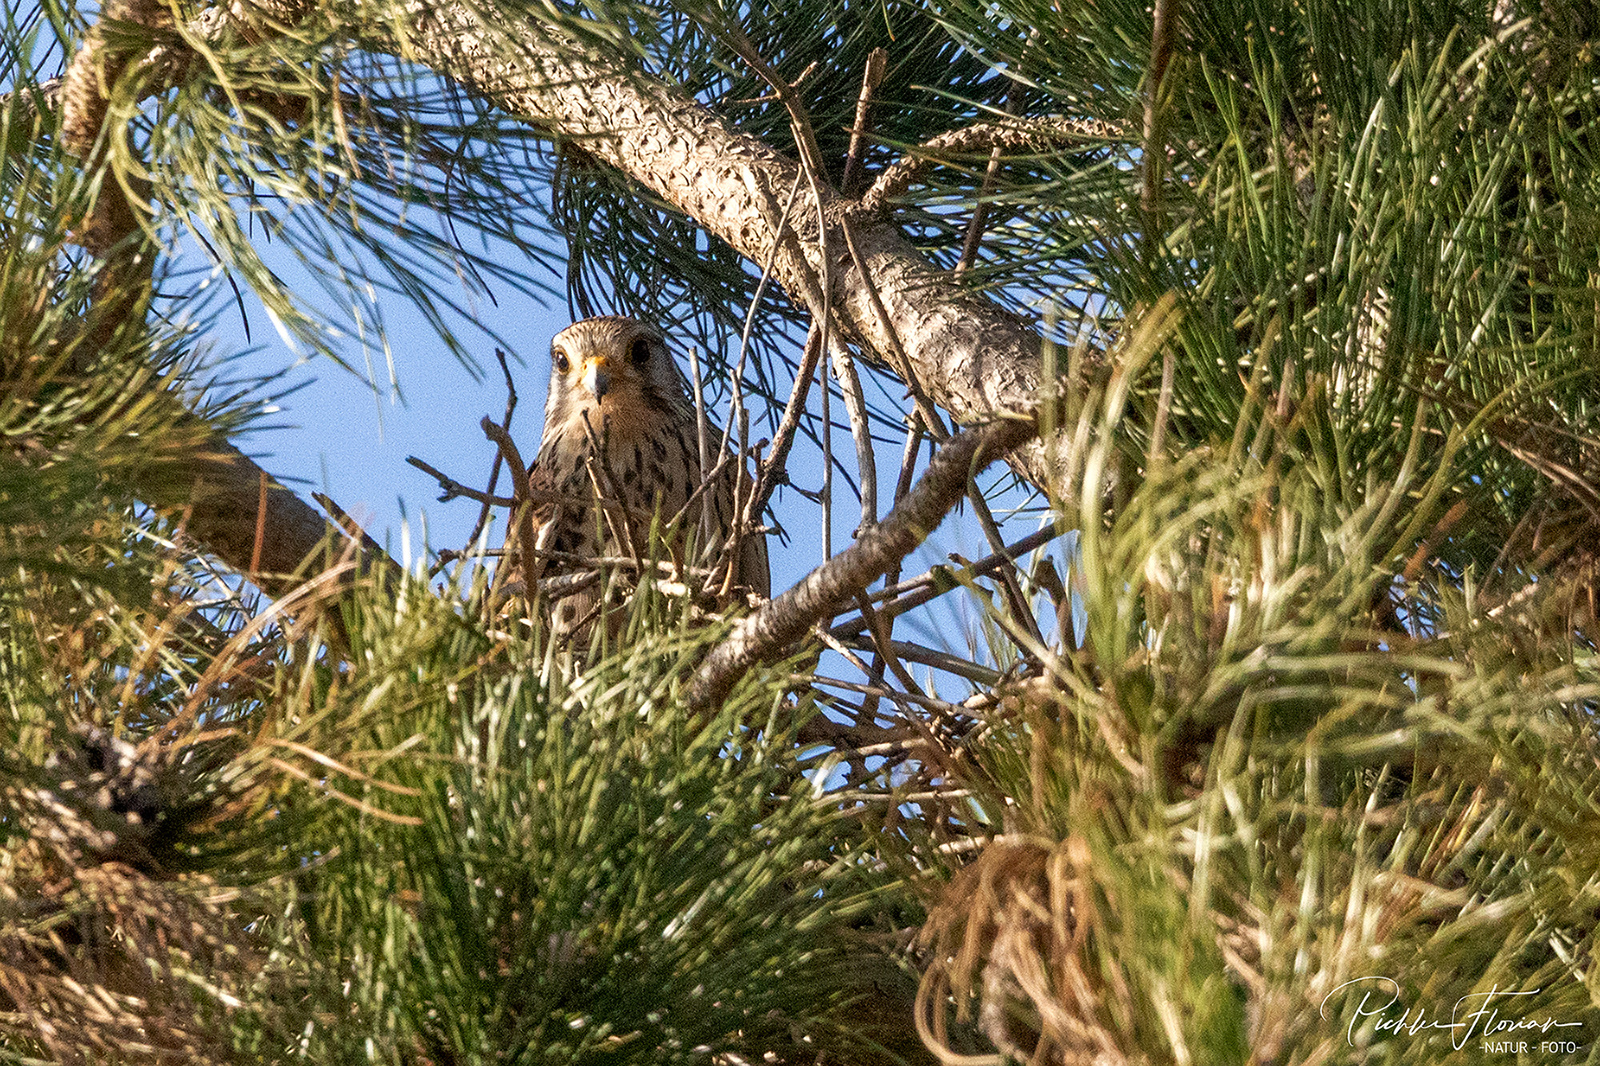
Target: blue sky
pixel 347 431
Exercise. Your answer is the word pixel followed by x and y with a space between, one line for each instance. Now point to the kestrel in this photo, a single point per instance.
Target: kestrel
pixel 620 458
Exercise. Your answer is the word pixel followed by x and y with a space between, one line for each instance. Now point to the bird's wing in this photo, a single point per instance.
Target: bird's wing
pixel 751 569
pixel 755 572
pixel 542 487
pixel 545 510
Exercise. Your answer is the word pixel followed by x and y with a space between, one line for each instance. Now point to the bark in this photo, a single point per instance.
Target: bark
pixel 237 511
pixel 244 516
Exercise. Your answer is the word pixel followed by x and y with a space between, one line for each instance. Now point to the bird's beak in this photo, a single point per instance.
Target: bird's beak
pixel 597 377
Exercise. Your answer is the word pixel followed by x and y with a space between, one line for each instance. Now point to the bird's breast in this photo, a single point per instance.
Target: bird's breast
pixel 648 456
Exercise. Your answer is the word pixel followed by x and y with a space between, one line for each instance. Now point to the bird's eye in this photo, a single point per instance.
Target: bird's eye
pixel 640 352
pixel 562 364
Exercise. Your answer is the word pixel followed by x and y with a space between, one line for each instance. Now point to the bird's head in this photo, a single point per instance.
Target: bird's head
pixel 611 364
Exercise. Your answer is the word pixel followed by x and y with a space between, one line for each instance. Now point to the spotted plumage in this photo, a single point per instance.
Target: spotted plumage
pixel 620 455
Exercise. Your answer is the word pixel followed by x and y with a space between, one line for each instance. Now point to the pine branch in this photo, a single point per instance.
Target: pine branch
pixel 970 356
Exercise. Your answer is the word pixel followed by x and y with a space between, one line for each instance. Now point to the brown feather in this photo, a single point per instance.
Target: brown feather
pixel 619 456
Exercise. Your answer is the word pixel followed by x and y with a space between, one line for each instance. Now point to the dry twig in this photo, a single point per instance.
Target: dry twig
pixel 877 60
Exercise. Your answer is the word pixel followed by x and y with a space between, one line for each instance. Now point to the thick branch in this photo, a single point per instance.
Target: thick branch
pixel 972 357
pixel 219 489
pixel 834 585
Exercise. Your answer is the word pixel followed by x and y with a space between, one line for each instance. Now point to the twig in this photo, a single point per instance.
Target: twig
pixel 805 138
pixel 737 417
pixel 821 304
pixel 884 645
pixel 974 238
pixel 767 98
pixel 351 527
pixel 827 450
pixel 943 710
pixel 1158 434
pixel 519 481
pixel 855 404
pixel 747 516
pixel 1007 574
pixel 766 275
pixel 707 480
pixel 1154 153
pixel 847 655
pixel 833 584
pixel 625 562
pixel 501 439
pixel 453 489
pixel 907 371
pixel 261 525
pixel 980 675
pixel 908 458
pixel 701 431
pixel 489 499
pixel 914 592
pixel 1154 156
pixel 766 475
pixel 711 473
pixel 819 730
pixel 767 478
pixel 605 488
pixel 902 485
pixel 733 548
pixel 871 77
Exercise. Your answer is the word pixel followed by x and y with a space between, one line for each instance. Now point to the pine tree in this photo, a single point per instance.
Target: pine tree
pixel 1271 736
